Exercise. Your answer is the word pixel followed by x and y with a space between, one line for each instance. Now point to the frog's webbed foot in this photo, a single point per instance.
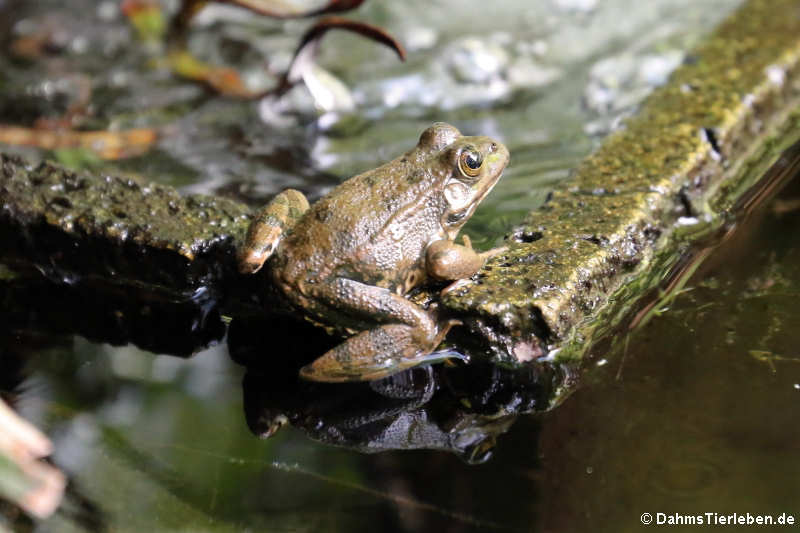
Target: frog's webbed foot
pixel 268 228
pixel 375 354
pixel 405 342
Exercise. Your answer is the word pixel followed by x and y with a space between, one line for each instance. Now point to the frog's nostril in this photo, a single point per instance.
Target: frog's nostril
pixel 492 147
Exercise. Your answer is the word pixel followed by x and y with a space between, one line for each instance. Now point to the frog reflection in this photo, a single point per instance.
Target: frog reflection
pixel 462 410
pixel 348 260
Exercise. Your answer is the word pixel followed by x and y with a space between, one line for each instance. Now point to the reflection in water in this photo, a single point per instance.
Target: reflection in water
pixel 113 313
pixel 461 408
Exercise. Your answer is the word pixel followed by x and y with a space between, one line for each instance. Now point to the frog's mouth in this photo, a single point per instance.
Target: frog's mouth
pixel 456 219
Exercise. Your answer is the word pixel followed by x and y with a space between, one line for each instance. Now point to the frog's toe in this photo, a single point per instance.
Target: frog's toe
pixel 374 354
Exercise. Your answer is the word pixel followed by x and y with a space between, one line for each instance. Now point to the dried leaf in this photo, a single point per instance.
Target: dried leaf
pixel 223 80
pixel 147 18
pixel 106 144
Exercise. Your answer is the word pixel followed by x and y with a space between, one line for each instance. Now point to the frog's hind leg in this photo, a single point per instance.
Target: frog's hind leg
pixel 268 228
pixel 406 341
pixel 373 354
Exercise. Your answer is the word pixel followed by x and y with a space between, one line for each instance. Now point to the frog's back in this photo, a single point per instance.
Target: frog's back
pixel 375 221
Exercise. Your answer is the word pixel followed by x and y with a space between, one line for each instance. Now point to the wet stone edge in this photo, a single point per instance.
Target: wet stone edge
pixel 77 224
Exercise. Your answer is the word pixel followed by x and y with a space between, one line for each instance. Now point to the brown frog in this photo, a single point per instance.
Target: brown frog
pixel 349 259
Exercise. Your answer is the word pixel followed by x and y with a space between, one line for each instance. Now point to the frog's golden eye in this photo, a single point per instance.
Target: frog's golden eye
pixel 469 162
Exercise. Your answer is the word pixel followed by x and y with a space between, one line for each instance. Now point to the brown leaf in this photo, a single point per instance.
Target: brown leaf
pixel 106 144
pixel 223 80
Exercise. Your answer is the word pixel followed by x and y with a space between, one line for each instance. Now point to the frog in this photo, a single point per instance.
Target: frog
pixel 351 259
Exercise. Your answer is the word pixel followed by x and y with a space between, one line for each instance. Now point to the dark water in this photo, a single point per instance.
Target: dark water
pixel 697 413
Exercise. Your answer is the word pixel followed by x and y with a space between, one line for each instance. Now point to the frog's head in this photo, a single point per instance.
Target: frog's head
pixel 472 167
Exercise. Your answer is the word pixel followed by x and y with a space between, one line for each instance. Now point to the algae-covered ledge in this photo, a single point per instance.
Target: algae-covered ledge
pixel 112 226
pixel 606 226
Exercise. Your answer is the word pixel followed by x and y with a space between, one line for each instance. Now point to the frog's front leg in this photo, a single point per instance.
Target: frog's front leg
pixel 446 260
pixel 406 340
pixel 268 228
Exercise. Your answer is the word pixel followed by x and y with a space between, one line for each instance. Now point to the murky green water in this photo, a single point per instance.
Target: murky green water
pixel 696 415
pixel 692 414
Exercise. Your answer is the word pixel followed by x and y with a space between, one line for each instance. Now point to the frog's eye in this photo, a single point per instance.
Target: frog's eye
pixel 469 162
